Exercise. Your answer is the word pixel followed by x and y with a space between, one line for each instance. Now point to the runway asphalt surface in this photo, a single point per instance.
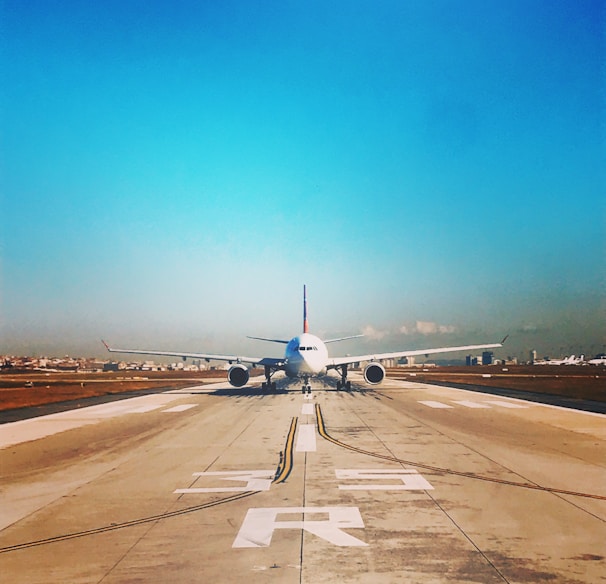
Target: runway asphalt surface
pixel 407 482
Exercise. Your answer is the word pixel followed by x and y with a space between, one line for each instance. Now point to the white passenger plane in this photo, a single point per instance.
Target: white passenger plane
pixel 306 356
pixel 572 360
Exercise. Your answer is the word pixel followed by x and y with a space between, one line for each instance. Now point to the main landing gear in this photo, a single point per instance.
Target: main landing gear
pixel 268 385
pixel 343 383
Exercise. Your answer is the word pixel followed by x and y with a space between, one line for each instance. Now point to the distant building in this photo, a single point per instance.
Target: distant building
pixel 487 357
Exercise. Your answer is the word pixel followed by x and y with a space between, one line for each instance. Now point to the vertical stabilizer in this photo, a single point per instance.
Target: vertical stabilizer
pixel 305 323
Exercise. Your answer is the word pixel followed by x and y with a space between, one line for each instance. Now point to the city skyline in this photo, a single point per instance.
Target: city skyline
pixel 173 175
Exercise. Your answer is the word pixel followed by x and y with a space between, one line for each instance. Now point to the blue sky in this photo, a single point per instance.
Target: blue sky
pixel 173 173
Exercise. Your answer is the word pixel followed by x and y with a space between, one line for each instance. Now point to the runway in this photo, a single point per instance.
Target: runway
pixel 409 482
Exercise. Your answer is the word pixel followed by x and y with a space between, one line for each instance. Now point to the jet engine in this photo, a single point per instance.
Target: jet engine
pixel 374 373
pixel 238 375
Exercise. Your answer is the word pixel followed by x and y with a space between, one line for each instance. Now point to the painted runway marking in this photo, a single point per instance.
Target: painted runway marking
pixel 106 410
pixel 436 405
pixel 144 409
pixel 260 523
pixel 471 404
pixel 411 480
pixel 256 480
pixel 306 438
pixel 504 404
pixel 308 410
pixel 181 408
pixel 308 396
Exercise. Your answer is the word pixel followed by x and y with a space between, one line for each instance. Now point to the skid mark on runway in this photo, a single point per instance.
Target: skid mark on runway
pixel 471 475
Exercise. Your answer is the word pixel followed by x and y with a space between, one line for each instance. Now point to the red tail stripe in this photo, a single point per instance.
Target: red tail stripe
pixel 305 323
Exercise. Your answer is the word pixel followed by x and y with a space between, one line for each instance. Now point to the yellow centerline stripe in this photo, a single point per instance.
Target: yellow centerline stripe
pixel 322 431
pixel 286 463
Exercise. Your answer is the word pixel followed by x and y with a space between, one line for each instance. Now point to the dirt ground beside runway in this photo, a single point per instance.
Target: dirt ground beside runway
pixel 54 387
pixel 577 382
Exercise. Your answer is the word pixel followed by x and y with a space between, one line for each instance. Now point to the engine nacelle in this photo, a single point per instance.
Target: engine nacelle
pixel 238 375
pixel 374 373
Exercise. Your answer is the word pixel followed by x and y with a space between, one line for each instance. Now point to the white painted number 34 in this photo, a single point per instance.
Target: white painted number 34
pixel 327 523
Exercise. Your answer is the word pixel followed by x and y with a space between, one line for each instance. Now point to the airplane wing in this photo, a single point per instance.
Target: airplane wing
pixel 269 340
pixel 337 361
pixel 261 361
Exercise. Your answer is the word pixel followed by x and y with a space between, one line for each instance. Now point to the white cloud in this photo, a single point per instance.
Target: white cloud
pixel 529 328
pixel 421 327
pixel 445 329
pixel 424 327
pixel 372 333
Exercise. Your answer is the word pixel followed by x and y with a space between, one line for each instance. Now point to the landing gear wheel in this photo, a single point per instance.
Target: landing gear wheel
pixel 273 386
pixel 309 389
pixel 263 386
pixel 348 385
pixel 338 385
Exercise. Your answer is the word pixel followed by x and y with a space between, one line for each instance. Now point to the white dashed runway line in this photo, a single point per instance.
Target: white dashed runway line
pixel 180 408
pixel 306 438
pixel 36 428
pixel 472 404
pixel 504 404
pixel 436 405
pixel 308 410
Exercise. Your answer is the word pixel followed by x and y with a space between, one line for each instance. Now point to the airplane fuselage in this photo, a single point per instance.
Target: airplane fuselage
pixel 306 355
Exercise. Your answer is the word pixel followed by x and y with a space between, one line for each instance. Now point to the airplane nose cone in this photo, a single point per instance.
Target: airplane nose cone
pixel 309 363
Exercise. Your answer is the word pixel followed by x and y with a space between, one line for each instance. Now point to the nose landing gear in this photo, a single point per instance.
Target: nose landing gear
pixel 306 386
